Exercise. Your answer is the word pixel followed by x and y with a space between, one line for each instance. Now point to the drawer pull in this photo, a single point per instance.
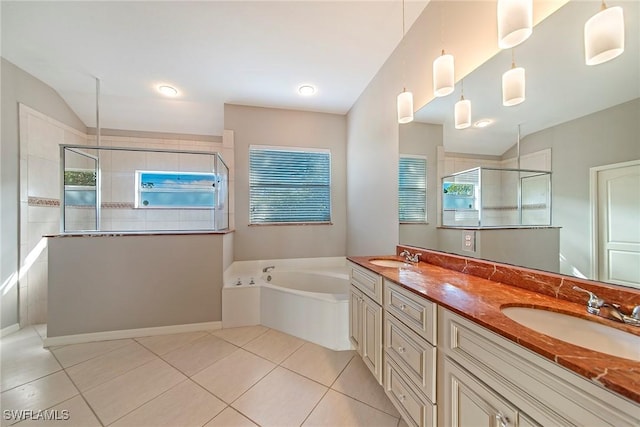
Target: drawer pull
pixel 502 420
pixel 400 349
pixel 403 307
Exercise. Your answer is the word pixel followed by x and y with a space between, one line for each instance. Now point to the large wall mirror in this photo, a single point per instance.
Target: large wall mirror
pixel 580 122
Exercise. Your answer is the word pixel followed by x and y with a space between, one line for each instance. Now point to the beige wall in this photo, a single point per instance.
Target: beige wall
pixel 266 126
pixel 115 283
pixel 468 31
pixel 606 137
pixel 20 87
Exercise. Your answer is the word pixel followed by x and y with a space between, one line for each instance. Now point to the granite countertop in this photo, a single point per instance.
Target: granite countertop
pixel 480 300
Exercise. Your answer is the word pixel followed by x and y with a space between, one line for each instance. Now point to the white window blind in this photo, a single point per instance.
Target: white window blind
pixel 289 185
pixel 412 189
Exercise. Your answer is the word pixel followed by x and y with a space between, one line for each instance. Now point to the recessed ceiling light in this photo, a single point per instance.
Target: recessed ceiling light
pixel 168 90
pixel 307 90
pixel 483 123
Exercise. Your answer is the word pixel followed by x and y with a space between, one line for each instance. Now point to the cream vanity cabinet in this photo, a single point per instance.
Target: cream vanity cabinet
pixel 365 317
pixel 487 380
pixel 410 354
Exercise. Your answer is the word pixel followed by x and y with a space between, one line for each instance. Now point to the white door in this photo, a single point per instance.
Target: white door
pixel 619 224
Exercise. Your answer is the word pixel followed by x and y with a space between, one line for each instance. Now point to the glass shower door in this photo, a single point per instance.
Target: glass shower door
pixel 80 195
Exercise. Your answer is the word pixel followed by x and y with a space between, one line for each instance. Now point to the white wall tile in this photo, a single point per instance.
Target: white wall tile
pixel 43 178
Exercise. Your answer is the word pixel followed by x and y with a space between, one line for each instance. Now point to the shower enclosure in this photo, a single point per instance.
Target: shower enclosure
pixel 125 189
pixel 491 197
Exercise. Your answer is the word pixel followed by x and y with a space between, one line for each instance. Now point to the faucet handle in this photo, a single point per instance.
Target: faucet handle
pixel 594 303
pixel 635 313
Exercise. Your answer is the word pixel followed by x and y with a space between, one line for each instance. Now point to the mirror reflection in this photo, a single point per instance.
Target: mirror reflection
pixel 579 122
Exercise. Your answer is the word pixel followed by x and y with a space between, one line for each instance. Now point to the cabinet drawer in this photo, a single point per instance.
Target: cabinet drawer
pixel 417 313
pixel 415 410
pixel 367 281
pixel 415 356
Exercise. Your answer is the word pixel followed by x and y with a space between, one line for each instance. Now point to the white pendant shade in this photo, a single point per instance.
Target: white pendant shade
pixel 405 107
pixel 515 22
pixel 513 87
pixel 462 113
pixel 604 36
pixel 443 75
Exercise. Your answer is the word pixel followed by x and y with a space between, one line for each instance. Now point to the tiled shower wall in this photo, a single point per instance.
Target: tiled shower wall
pixel 40 137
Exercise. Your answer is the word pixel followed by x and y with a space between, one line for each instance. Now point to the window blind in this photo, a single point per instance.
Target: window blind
pixel 289 186
pixel 412 189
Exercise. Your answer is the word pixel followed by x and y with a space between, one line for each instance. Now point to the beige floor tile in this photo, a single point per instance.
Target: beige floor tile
pixel 38 395
pixel 318 363
pixel 24 359
pixel 358 382
pixel 228 378
pixel 402 423
pixel 199 354
pixel 274 345
pixel 70 355
pixel 240 336
pixel 230 418
pixel 78 414
pixel 186 404
pixel 123 394
pixel 163 344
pixel 100 369
pixel 41 330
pixel 282 398
pixel 336 410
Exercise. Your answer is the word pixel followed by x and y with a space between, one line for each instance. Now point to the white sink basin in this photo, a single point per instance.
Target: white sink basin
pixel 577 331
pixel 388 263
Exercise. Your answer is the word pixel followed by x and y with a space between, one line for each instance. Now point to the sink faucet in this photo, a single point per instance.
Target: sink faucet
pixel 412 258
pixel 268 269
pixel 610 311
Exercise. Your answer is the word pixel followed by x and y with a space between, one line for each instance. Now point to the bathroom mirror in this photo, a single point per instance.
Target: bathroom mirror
pixel 576 120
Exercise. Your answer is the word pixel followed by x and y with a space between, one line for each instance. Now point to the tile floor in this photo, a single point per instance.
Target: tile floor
pixel 228 377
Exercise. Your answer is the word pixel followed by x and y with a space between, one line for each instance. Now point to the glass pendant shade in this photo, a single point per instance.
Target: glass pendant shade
pixel 513 86
pixel 405 107
pixel 604 36
pixel 443 75
pixel 462 113
pixel 515 22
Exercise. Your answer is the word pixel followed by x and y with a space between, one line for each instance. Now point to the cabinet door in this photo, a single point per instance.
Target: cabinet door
pixel 355 318
pixel 371 341
pixel 469 403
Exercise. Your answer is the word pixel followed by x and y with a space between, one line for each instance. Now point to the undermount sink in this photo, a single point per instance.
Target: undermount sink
pixel 388 263
pixel 577 331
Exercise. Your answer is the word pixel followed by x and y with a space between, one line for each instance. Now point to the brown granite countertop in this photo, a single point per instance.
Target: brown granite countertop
pixel 480 300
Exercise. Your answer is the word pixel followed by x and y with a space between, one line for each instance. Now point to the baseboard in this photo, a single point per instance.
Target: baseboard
pixel 9 329
pixel 130 333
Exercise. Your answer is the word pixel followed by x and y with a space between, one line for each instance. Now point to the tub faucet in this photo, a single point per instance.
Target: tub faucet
pixel 610 311
pixel 268 269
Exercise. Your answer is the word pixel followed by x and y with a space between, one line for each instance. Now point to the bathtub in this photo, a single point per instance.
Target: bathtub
pixel 298 297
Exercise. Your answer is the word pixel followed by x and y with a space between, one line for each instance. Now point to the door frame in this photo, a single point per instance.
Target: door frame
pixel 593 205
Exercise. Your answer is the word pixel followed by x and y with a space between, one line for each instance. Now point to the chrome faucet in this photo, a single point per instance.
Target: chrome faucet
pixel 610 311
pixel 268 269
pixel 412 258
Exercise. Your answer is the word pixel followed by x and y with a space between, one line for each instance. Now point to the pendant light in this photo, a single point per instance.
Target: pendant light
pixel 443 69
pixel 405 99
pixel 604 35
pixel 462 111
pixel 513 85
pixel 515 22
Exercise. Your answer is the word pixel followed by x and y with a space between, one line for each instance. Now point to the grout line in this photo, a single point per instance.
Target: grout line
pixel 179 347
pixel 103 353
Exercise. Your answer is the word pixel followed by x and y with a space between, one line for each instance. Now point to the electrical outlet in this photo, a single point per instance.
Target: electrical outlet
pixel 469 241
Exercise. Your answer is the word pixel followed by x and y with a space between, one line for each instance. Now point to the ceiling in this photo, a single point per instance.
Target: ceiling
pixel 214 52
pixel 559 86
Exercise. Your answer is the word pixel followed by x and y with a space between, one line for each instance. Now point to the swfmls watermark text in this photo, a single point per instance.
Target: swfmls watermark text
pixel 43 415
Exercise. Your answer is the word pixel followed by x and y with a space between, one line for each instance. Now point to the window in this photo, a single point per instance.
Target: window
pixel 79 187
pixel 412 189
pixel 289 185
pixel 178 190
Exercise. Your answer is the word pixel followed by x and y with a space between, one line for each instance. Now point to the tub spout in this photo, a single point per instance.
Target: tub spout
pixel 268 269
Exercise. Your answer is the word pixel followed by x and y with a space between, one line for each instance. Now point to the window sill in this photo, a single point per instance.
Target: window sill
pixel 262 224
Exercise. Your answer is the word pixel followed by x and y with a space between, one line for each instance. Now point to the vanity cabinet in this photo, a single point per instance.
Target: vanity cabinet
pixel 410 354
pixel 365 317
pixel 486 379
